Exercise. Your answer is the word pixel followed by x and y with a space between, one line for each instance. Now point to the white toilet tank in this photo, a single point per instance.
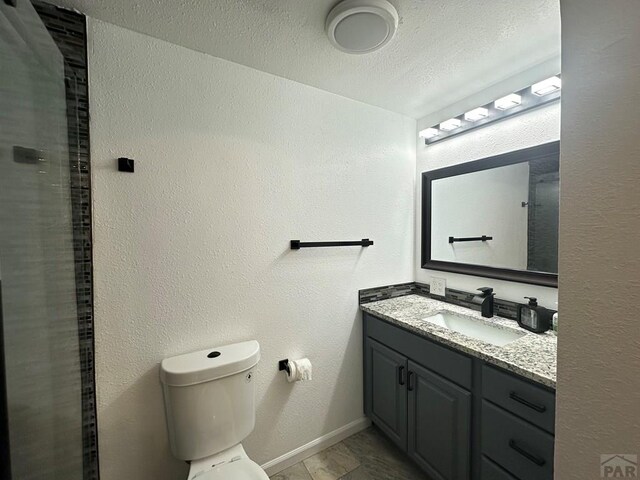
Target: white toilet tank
pixel 209 398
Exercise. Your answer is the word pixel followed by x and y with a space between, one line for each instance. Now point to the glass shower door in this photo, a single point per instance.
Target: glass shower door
pixel 42 403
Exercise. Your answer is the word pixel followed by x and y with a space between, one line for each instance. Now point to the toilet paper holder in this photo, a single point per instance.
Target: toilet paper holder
pixel 284 365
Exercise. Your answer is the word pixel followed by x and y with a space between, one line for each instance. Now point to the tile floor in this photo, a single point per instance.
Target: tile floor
pixel 367 455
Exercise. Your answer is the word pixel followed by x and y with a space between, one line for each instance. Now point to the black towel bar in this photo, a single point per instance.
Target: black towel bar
pixel 483 238
pixel 297 244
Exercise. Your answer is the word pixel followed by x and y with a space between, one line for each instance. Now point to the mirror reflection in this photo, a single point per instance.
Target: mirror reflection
pixel 496 213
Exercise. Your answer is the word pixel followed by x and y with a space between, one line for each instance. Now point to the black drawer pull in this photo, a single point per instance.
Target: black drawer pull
pixel 527 403
pixel 401 374
pixel 529 456
pixel 410 382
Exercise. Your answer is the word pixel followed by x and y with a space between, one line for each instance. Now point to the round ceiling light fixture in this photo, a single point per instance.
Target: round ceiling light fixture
pixel 361 26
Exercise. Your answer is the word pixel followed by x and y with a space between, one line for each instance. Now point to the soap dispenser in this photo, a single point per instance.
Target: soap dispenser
pixel 533 317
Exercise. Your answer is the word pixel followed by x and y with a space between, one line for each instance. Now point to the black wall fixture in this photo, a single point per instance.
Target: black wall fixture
pixel 483 238
pixel 126 165
pixel 283 366
pixel 297 244
pixel 28 155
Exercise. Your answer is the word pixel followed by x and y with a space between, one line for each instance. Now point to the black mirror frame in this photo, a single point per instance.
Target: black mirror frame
pixel 510 158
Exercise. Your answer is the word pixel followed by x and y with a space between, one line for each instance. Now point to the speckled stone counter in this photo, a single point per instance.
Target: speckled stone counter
pixel 532 356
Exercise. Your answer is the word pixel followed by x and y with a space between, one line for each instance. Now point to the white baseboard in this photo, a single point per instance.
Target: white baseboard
pixel 294 456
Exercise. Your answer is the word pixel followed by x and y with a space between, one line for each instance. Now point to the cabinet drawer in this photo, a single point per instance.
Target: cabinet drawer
pixel 451 365
pixel 517 446
pixel 520 397
pixel 491 471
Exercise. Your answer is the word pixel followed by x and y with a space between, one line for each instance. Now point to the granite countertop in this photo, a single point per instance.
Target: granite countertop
pixel 532 356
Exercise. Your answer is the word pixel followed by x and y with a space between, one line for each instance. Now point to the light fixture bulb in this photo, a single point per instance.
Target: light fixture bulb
pixel 450 124
pixel 476 114
pixel 428 133
pixel 510 101
pixel 545 87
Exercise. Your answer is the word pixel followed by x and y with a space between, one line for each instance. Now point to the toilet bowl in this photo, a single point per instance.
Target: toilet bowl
pixel 209 399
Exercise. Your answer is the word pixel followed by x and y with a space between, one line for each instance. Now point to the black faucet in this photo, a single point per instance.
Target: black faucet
pixel 485 300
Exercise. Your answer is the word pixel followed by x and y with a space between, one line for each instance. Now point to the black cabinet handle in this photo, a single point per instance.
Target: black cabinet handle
pixel 410 382
pixel 527 403
pixel 401 378
pixel 529 456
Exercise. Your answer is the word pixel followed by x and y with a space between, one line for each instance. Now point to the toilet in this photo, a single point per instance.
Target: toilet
pixel 209 399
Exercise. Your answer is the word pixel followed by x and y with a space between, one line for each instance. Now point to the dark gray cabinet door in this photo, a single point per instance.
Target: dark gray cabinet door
pixel 386 385
pixel 439 437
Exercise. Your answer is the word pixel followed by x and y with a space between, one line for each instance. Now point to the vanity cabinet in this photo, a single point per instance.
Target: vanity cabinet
pixel 527 401
pixel 425 414
pixel 439 424
pixel 388 391
pixel 457 417
pixel 517 425
pixel 517 446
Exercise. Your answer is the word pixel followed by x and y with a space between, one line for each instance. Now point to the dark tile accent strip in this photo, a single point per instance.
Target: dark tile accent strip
pixel 422 289
pixel 503 308
pixel 386 292
pixel 68 30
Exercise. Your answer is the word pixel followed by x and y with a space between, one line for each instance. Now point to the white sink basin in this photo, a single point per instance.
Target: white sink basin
pixel 474 328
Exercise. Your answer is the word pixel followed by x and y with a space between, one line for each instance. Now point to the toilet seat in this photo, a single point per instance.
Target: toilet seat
pixel 243 469
pixel 231 464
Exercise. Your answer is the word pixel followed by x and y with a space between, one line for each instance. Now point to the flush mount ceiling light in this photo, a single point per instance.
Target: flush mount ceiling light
pixel 361 26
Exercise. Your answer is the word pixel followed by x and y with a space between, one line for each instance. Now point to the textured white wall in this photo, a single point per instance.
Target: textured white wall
pixel 192 251
pixel 527 130
pixel 599 345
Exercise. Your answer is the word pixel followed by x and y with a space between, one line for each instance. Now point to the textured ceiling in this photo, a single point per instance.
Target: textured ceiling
pixel 444 50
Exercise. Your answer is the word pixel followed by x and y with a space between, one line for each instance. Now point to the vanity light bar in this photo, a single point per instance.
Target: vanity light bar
pixel 536 95
pixel 428 133
pixel 476 114
pixel 547 86
pixel 510 101
pixel 450 124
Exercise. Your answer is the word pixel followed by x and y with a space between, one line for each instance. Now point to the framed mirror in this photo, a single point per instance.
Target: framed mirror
pixel 496 217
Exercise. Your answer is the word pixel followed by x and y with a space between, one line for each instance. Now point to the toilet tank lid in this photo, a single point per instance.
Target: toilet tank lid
pixel 209 364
